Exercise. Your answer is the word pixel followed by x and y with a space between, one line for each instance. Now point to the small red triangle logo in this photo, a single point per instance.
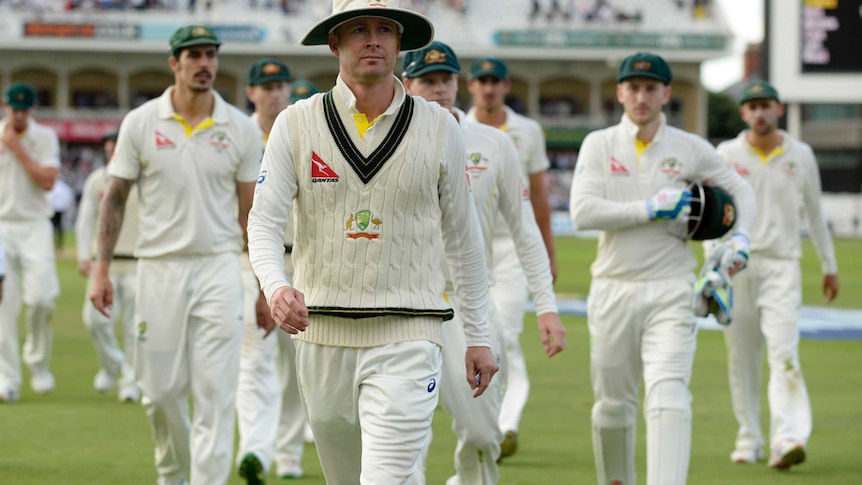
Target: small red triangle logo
pixel 319 168
pixel 162 141
pixel 617 167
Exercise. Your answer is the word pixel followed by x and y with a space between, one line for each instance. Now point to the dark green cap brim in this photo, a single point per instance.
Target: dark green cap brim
pixel 418 30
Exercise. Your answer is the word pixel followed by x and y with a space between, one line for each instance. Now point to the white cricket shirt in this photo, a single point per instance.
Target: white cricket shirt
pixel 611 183
pixel 187 181
pixel 786 182
pixel 499 188
pixel 20 198
pixel 88 216
pixel 529 140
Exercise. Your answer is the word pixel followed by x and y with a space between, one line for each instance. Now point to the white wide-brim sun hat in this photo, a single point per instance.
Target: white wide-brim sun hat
pixel 416 30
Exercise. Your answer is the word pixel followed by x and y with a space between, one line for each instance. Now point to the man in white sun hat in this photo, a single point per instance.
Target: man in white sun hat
pixel 376 181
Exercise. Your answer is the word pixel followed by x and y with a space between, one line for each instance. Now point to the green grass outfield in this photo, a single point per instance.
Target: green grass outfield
pixel 76 436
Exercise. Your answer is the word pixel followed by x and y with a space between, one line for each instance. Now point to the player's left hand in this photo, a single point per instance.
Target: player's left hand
pixel 11 139
pixel 553 333
pixel 481 367
pixel 830 287
pixel 264 316
pixel 288 309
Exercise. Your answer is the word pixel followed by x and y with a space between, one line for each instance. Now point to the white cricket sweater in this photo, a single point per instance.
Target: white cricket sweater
pixel 611 183
pixel 785 184
pixel 368 242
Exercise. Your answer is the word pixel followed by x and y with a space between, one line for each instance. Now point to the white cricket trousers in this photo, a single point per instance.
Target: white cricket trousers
pixel 474 419
pixel 258 400
pixel 510 293
pixel 270 419
pixel 189 314
pixel 31 277
pixel 370 408
pixel 641 328
pixel 112 358
pixel 767 296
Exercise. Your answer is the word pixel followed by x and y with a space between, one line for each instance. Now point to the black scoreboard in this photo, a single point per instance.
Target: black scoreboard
pixel 831 36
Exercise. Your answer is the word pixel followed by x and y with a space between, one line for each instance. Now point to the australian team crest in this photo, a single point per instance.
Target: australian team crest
pixel 671 166
pixel 219 140
pixel 789 168
pixel 363 224
pixel 476 163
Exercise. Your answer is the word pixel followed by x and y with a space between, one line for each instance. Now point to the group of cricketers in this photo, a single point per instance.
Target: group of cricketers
pixel 325 267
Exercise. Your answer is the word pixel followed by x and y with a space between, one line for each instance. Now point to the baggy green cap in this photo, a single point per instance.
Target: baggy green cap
pixel 489 66
pixel 644 64
pixel 192 35
pixel 436 57
pixel 268 70
pixel 759 90
pixel 20 96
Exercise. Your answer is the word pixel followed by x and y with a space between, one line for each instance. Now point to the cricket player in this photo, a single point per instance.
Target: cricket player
pixel 629 184
pixel 268 396
pixel 497 188
pixel 767 295
pixel 114 362
pixel 378 184
pixel 489 84
pixel 195 159
pixel 29 163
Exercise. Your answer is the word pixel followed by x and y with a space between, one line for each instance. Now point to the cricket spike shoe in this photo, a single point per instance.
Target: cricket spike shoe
pixel 251 469
pixel 787 454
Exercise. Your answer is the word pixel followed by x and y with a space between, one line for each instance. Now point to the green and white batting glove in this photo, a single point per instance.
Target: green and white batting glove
pixel 669 205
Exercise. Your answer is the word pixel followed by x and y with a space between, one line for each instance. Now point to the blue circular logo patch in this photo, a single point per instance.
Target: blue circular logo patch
pixel 432 385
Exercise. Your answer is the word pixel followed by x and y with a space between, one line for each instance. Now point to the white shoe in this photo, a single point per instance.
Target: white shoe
pixel 786 454
pixel 746 455
pixel 308 435
pixel 104 381
pixel 42 382
pixel 289 469
pixel 129 393
pixel 8 393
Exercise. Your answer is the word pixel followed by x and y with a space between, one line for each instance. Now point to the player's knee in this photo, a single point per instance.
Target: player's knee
pixel 614 414
pixel 669 394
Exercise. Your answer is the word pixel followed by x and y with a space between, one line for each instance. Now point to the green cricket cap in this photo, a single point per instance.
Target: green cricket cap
pixel 644 64
pixel 759 90
pixel 192 35
pixel 268 70
pixel 436 57
pixel 20 96
pixel 302 89
pixel 489 66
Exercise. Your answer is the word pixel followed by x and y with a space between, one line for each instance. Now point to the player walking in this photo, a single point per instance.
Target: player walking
pixel 195 158
pixel 376 177
pixel 767 295
pixel 497 188
pixel 268 395
pixel 113 361
pixel 629 183
pixel 489 84
pixel 29 162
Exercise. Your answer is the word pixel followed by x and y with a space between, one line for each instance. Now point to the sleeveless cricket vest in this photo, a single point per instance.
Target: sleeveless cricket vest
pixel 375 209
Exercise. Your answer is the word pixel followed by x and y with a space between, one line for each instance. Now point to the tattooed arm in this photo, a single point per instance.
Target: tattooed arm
pixel 110 223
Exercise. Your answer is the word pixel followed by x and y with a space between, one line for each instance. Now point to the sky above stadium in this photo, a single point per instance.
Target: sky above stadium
pixel 745 18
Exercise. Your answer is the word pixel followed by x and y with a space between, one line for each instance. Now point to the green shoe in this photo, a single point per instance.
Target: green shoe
pixel 251 469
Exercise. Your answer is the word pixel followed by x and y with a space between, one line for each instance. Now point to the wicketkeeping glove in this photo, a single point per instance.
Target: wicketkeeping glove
pixel 713 290
pixel 669 205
